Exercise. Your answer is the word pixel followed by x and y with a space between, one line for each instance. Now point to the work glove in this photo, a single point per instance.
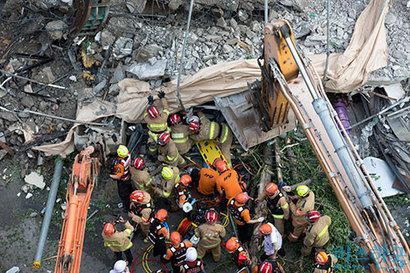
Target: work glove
pixel 150 100
pixel 260 219
pixel 161 94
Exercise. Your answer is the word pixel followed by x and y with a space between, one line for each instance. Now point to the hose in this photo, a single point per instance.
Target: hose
pixel 153 260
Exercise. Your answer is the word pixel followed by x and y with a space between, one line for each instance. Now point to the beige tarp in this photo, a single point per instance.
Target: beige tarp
pixel 366 52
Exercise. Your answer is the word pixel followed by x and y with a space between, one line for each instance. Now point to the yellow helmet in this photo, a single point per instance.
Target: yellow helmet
pixel 122 151
pixel 302 190
pixel 167 173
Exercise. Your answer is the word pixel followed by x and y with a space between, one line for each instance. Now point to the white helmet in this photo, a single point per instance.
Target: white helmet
pixel 191 254
pixel 192 119
pixel 187 207
pixel 120 266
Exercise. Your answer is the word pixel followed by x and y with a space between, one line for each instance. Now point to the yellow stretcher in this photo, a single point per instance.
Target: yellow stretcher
pixel 210 151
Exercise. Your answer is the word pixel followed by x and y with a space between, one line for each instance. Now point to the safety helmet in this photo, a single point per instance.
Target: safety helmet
pixel 153 112
pixel 161 215
pixel 167 173
pixel 194 126
pixel 119 266
pixel 175 118
pixel 193 119
pixel 163 138
pixel 271 189
pixel 122 151
pixel 109 229
pixel 242 197
pixel 175 238
pixel 138 163
pixel 232 244
pixel 220 165
pixel 321 257
pixel 191 254
pixel 265 229
pixel 137 196
pixel 266 267
pixel 211 216
pixel 312 216
pixel 302 190
pixel 185 180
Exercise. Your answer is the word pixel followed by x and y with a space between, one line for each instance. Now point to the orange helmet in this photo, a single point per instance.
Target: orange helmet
pixel 242 198
pixel 109 229
pixel 265 229
pixel 271 189
pixel 321 257
pixel 153 112
pixel 161 215
pixel 232 244
pixel 266 267
pixel 175 238
pixel 220 165
pixel 185 180
pixel 137 196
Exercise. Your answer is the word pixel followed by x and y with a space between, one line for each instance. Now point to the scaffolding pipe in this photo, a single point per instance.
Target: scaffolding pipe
pixel 49 210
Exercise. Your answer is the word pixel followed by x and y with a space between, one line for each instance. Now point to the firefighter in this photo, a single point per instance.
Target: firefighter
pixel 156 118
pixel 240 255
pixel 202 128
pixel 182 194
pixel 239 210
pixel 140 176
pixel 118 241
pixel 122 176
pixel 272 243
pixel 158 232
pixel 224 141
pixel 299 206
pixel 325 262
pixel 177 252
pixel 317 235
pixel 268 266
pixel 180 134
pixel 193 264
pixel 278 206
pixel 210 234
pixel 168 152
pixel 142 209
pixel 120 267
pixel 227 181
pixel 206 179
pixel 169 175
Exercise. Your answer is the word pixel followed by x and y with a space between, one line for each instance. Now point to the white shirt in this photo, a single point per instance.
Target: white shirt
pixel 273 241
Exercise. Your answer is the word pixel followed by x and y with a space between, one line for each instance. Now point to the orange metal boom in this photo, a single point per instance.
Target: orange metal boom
pixel 79 189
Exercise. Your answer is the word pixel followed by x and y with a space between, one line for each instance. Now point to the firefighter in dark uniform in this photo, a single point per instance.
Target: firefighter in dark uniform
pixel 268 266
pixel 239 254
pixel 158 232
pixel 325 262
pixel 278 207
pixel 192 263
pixel 177 252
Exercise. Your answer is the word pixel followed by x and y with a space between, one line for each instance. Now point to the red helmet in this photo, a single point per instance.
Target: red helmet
pixel 211 216
pixel 137 196
pixel 163 138
pixel 266 267
pixel 138 163
pixel 271 189
pixel 175 238
pixel 266 229
pixel 220 165
pixel 161 215
pixel 175 118
pixel 242 198
pixel 194 126
pixel 109 229
pixel 312 216
pixel 153 112
pixel 185 180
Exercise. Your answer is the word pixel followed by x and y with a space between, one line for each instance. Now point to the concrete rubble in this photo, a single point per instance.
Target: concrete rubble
pixel 35 179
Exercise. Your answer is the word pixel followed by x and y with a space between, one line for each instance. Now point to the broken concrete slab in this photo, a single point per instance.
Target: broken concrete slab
pixel 56 29
pixel 122 47
pixel 35 179
pixel 145 71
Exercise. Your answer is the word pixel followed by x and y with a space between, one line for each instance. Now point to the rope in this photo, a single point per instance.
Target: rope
pixel 183 53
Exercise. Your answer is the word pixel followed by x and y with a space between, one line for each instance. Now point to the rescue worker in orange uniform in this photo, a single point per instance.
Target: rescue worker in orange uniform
pixel 156 118
pixel 206 179
pixel 227 181
pixel 210 234
pixel 121 174
pixel 177 252
pixel 202 128
pixel 193 264
pixel 158 232
pixel 224 141
pixel 324 262
pixel 317 235
pixel 142 209
pixel 118 241
pixel 239 210
pixel 169 176
pixel 278 207
pixel 168 152
pixel 268 266
pixel 180 134
pixel 182 194
pixel 140 176
pixel 240 255
pixel 299 206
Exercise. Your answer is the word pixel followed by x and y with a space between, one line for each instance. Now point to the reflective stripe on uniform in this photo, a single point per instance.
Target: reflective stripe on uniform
pixel 166 194
pixel 285 206
pixel 166 111
pixel 149 181
pixel 181 140
pixel 212 130
pixel 226 132
pixel 177 135
pixel 154 135
pixel 299 213
pixel 129 231
pixel 323 231
pixel 278 216
pixel 157 126
pixel 128 246
pixel 144 219
pixel 293 236
pixel 210 246
pixel 107 244
pixel 299 223
pixel 172 159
